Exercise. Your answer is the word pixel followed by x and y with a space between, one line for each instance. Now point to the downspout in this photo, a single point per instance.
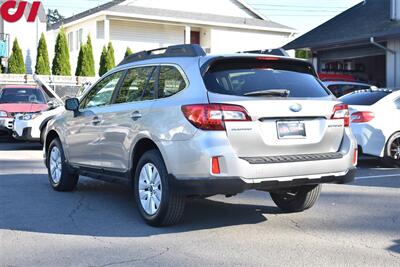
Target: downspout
pixel 372 41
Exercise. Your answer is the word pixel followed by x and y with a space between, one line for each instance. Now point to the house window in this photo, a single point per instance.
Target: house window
pixel 71 41
pixel 100 29
pixel 78 39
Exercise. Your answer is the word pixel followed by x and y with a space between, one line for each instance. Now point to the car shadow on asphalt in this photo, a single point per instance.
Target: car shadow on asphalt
pixel 106 210
pixel 7 143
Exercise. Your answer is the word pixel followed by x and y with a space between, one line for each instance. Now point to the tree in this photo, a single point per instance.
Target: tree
pixel 102 69
pixel 107 59
pixel 53 16
pixel 85 65
pixel 89 59
pixel 110 60
pixel 42 58
pixel 61 65
pixel 302 53
pixel 16 63
pixel 128 52
pixel 78 71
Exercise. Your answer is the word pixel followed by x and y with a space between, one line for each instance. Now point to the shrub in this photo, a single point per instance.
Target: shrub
pixel 102 69
pixel 128 52
pixel 110 60
pixel 16 63
pixel 42 58
pixel 89 59
pixel 61 64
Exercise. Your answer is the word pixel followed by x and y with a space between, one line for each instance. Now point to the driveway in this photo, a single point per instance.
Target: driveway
pixel 98 225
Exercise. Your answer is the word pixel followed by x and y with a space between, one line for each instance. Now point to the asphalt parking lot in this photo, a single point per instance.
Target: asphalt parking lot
pixel 98 225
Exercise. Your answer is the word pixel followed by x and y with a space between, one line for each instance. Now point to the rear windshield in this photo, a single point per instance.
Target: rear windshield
pixel 243 76
pixel 363 98
pixel 21 95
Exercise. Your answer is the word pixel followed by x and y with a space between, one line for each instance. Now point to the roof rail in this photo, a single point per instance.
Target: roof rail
pixel 185 50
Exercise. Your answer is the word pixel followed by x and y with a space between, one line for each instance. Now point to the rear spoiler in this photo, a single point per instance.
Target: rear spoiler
pixel 207 65
pixel 47 88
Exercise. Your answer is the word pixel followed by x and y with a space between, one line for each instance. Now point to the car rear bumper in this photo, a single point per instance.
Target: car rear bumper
pixel 236 185
pixel 193 158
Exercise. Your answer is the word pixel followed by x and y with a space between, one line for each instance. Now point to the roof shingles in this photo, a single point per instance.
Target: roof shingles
pixel 356 24
pixel 115 6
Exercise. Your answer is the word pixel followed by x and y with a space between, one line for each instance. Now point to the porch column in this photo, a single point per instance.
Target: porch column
pixel 393 64
pixel 187 34
pixel 106 30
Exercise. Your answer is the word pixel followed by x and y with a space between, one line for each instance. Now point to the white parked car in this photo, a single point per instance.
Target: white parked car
pixel 28 126
pixel 341 88
pixel 375 121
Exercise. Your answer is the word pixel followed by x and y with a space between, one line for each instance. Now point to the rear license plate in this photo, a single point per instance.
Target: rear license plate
pixel 291 129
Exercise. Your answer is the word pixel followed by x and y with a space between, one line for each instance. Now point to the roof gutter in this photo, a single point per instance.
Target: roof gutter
pixel 372 41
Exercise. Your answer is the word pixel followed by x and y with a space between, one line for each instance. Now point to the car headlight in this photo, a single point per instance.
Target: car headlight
pixel 28 116
pixel 3 113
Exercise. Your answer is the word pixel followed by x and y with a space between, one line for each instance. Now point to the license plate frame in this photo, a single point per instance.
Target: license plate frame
pixel 291 129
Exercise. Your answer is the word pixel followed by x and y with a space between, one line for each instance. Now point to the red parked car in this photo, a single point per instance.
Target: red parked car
pixel 16 99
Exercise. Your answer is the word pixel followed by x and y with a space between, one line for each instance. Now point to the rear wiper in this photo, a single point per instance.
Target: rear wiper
pixel 271 92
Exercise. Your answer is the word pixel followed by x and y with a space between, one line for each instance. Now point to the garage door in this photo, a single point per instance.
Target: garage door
pixel 132 31
pixel 350 53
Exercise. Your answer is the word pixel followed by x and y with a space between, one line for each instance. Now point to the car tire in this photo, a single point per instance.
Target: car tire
pixel 156 201
pixel 392 151
pixel 297 199
pixel 61 177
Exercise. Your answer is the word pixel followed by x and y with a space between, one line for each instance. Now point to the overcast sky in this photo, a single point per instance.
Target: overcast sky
pixel 301 15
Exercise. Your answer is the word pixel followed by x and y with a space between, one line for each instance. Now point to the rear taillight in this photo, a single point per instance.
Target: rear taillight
pixel 212 117
pixel 341 112
pixel 362 116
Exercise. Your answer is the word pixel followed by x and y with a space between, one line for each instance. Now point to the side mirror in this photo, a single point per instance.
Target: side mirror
pixel 72 104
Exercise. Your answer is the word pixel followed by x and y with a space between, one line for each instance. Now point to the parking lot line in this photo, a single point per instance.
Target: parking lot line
pixel 377 176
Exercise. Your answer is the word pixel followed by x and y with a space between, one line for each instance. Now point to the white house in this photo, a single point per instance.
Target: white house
pixel 27 33
pixel 217 25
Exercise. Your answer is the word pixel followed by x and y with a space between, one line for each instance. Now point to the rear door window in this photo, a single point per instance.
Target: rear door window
pixel 242 76
pixel 137 85
pixel 363 98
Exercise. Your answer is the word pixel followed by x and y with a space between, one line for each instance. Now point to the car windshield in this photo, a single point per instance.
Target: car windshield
pixel 364 98
pixel 249 76
pixel 21 95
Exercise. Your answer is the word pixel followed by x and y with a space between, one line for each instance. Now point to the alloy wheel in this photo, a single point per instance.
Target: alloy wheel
pixel 150 189
pixel 55 165
pixel 395 149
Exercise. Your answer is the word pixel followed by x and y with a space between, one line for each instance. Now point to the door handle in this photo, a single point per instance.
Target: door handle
pixel 96 120
pixel 136 115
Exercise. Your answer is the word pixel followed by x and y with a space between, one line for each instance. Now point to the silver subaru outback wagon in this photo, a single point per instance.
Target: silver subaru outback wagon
pixel 178 123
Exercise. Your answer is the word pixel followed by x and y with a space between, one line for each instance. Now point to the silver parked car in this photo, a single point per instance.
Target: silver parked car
pixel 179 123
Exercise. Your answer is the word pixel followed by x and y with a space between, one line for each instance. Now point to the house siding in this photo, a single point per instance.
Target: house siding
pixel 224 40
